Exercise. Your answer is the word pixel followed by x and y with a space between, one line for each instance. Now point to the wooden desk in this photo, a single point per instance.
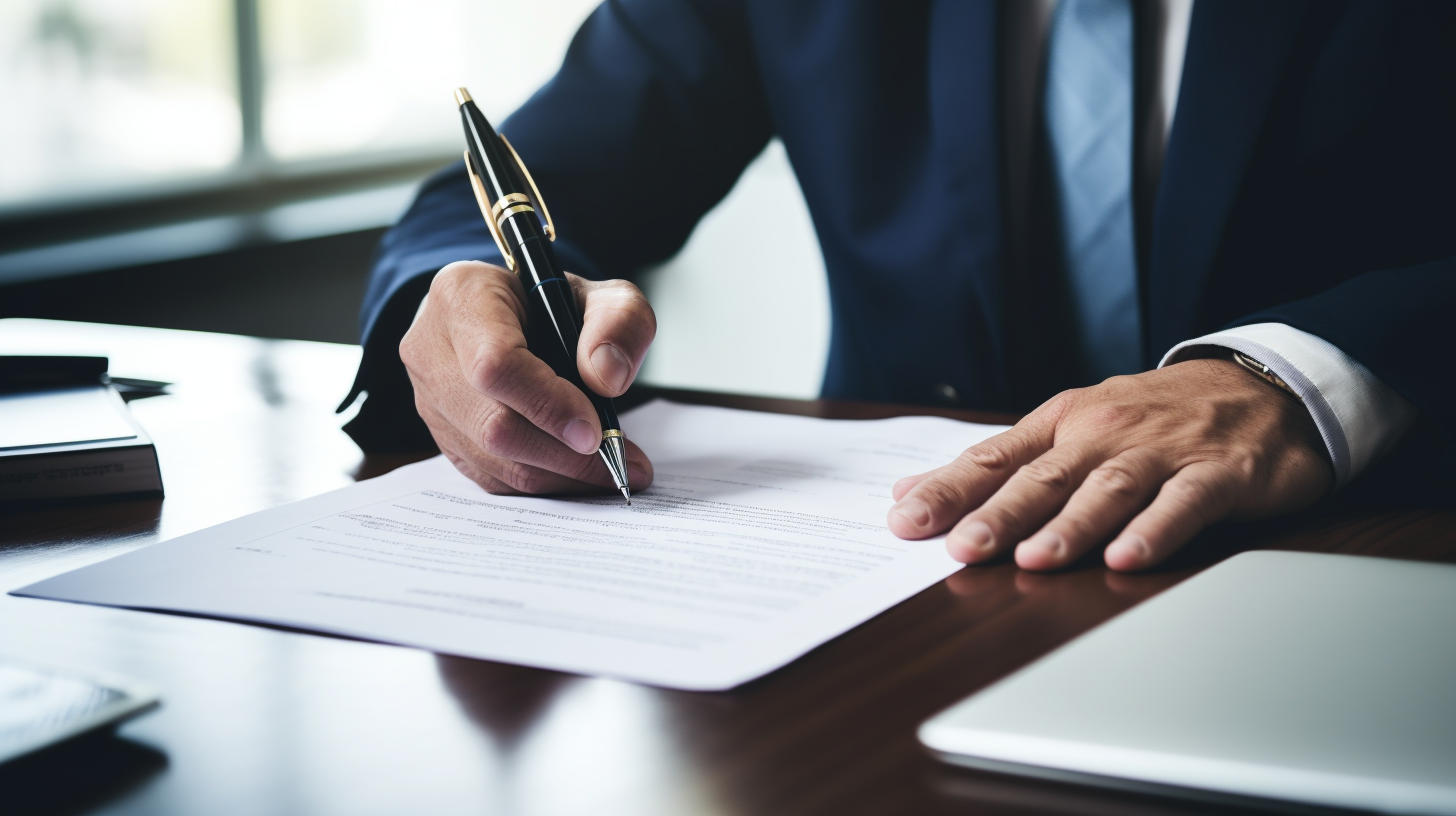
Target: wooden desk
pixel 262 721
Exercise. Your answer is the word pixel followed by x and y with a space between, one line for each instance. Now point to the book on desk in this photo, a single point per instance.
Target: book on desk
pixel 73 442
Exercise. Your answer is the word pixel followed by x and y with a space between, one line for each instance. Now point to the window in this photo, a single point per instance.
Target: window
pixel 101 95
pixel 126 99
pixel 374 76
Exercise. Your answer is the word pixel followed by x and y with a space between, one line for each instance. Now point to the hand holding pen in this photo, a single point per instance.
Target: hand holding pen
pixel 507 418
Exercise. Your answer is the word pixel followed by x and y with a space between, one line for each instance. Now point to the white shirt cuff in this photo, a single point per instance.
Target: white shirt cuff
pixel 1358 416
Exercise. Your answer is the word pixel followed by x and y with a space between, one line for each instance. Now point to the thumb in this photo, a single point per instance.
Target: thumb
pixel 617 326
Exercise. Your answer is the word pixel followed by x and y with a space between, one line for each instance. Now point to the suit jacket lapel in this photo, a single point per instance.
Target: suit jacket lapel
pixel 1235 58
pixel 964 102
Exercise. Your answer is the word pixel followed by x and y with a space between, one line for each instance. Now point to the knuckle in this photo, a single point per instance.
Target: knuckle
pixel 939 494
pixel 498 432
pixel 461 285
pixel 1242 467
pixel 991 455
pixel 539 407
pixel 1112 416
pixel 619 288
pixel 1050 414
pixel 1076 528
pixel 449 276
pixel 471 471
pixel 1063 402
pixel 625 298
pixel 1120 381
pixel 492 364
pixel 998 518
pixel 1049 474
pixel 409 349
pixel 453 279
pixel 1117 480
pixel 1192 493
pixel 523 478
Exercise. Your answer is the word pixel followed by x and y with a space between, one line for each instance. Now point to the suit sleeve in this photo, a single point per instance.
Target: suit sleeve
pixel 1397 323
pixel 654 114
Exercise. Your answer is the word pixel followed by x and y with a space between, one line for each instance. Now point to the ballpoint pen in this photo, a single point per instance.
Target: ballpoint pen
pixel 523 231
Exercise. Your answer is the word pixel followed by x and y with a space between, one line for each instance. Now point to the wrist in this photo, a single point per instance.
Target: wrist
pixel 1274 412
pixel 1264 373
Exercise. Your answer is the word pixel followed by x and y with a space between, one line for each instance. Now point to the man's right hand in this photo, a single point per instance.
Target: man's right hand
pixel 498 412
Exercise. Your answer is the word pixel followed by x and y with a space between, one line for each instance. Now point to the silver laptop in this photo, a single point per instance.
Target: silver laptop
pixel 1317 679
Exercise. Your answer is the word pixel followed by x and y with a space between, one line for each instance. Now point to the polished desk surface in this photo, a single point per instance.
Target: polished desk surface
pixel 258 720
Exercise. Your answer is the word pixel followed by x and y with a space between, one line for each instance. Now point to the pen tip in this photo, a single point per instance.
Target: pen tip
pixel 461 96
pixel 626 494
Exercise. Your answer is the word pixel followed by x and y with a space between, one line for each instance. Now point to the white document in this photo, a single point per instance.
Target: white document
pixel 762 537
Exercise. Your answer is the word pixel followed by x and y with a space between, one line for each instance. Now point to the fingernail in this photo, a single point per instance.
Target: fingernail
pixel 973 539
pixel 1131 545
pixel 1047 543
pixel 611 366
pixel 914 511
pixel 580 436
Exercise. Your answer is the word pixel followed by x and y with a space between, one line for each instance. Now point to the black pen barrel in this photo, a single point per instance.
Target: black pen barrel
pixel 488 155
pixel 553 323
pixel 553 317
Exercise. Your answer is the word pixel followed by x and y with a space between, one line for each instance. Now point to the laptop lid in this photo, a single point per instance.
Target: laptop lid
pixel 1321 679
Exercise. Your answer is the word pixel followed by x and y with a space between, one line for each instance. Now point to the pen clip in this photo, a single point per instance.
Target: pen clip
pixel 540 202
pixel 495 230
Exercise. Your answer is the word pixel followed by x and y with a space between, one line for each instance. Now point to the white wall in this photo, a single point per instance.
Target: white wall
pixel 745 307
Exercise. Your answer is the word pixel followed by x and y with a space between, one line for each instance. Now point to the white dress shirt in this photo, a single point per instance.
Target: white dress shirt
pixel 1358 416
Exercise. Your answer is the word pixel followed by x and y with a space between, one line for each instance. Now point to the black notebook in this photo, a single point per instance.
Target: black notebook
pixel 72 442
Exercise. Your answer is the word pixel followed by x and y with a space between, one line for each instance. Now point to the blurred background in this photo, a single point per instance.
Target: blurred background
pixel 229 165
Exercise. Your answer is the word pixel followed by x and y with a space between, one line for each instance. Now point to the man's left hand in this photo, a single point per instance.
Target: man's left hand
pixel 1146 461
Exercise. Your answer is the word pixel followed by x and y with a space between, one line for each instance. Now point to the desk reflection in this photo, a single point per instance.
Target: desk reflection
pixel 565 744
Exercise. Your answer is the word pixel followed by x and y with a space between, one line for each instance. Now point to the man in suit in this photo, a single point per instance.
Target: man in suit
pixel 1088 206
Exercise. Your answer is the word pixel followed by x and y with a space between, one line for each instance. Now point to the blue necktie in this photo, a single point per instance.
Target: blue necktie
pixel 1089 121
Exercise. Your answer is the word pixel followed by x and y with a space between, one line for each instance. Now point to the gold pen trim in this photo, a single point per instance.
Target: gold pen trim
pixel 506 201
pixel 495 230
pixel 611 432
pixel 500 220
pixel 461 97
pixel 550 225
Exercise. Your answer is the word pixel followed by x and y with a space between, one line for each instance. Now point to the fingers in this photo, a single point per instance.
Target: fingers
pixel 1037 491
pixel 1111 494
pixel 483 325
pixel 1166 453
pixel 570 473
pixel 501 475
pixel 903 486
pixel 941 497
pixel 499 413
pixel 617 327
pixel 1197 496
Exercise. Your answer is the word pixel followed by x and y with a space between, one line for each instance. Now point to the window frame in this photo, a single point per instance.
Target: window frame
pixel 254 183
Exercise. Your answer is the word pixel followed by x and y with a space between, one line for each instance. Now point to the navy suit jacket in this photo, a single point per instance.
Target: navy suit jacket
pixel 1309 179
